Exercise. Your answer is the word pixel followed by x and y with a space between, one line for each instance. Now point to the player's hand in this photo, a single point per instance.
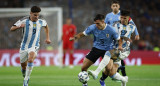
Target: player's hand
pixel 22 26
pixel 137 37
pixel 120 48
pixel 48 41
pixel 72 38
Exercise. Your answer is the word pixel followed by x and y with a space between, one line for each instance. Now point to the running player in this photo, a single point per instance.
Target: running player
pixel 31 27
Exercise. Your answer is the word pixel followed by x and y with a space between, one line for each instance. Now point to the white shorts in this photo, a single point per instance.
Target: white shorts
pixel 24 53
pixel 122 56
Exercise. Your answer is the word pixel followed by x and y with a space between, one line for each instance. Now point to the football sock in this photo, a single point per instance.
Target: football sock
pixel 102 64
pixel 71 59
pixel 103 77
pixel 118 77
pixel 123 68
pixel 23 72
pixel 64 58
pixel 28 70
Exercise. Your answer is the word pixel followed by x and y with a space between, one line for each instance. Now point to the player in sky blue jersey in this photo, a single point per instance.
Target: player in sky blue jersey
pixel 104 35
pixel 113 17
pixel 31 27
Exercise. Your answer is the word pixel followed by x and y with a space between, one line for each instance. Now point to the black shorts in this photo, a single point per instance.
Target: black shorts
pixel 94 54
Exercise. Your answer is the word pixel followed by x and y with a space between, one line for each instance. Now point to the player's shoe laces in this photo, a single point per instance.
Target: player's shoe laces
pixel 25 82
pixel 102 83
pixel 125 81
pixel 93 74
pixel 85 85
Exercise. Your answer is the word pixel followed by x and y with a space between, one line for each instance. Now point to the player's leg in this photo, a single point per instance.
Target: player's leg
pixel 31 56
pixel 64 56
pixel 114 75
pixel 64 53
pixel 122 56
pixel 91 58
pixel 122 67
pixel 105 62
pixel 23 68
pixel 23 61
pixel 71 58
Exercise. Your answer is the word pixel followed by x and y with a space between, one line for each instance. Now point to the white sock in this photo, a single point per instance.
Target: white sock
pixel 118 77
pixel 102 64
pixel 28 70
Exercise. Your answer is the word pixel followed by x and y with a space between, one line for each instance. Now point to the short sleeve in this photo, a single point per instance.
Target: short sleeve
pixel 18 23
pixel 44 23
pixel 88 30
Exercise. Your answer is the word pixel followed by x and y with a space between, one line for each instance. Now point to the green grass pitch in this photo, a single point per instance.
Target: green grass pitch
pixel 54 76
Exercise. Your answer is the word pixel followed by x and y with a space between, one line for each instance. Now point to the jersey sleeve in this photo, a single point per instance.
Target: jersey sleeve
pixel 18 23
pixel 135 31
pixel 44 23
pixel 88 30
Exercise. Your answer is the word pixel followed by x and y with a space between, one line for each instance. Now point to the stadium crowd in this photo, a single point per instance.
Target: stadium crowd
pixel 145 14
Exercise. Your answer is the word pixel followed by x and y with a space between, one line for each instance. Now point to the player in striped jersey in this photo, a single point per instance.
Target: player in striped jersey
pixel 113 17
pixel 31 27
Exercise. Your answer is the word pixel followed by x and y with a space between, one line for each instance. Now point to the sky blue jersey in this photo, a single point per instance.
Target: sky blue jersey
pixel 103 39
pixel 111 18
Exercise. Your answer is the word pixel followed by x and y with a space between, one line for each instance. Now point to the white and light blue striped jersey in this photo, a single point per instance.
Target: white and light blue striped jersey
pixel 124 31
pixel 103 39
pixel 111 18
pixel 31 32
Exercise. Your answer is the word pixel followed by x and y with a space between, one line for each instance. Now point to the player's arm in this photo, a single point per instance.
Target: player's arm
pixel 48 41
pixel 135 31
pixel 14 27
pixel 136 34
pixel 78 36
pixel 19 24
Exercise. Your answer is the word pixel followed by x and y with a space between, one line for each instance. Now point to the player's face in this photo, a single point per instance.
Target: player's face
pixel 115 7
pixel 124 20
pixel 34 16
pixel 100 24
pixel 69 21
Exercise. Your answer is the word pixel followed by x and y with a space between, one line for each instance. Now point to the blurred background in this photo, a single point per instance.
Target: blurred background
pixel 145 14
pixel 143 64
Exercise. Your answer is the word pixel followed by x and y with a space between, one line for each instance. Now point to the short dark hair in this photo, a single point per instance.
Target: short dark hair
pixel 99 17
pixel 35 9
pixel 115 2
pixel 125 12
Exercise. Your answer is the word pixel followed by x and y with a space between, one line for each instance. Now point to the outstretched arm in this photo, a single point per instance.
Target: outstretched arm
pixel 14 28
pixel 78 36
pixel 48 41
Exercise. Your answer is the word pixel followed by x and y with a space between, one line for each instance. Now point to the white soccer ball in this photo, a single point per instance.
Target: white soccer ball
pixel 83 76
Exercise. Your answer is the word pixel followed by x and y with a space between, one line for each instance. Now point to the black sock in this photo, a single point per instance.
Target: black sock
pixel 23 72
pixel 103 77
pixel 123 68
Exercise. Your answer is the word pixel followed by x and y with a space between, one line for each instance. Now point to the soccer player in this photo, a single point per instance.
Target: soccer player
pixel 69 30
pixel 31 27
pixel 113 17
pixel 125 29
pixel 103 41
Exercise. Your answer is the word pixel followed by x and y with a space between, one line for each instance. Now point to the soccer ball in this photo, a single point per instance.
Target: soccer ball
pixel 83 76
